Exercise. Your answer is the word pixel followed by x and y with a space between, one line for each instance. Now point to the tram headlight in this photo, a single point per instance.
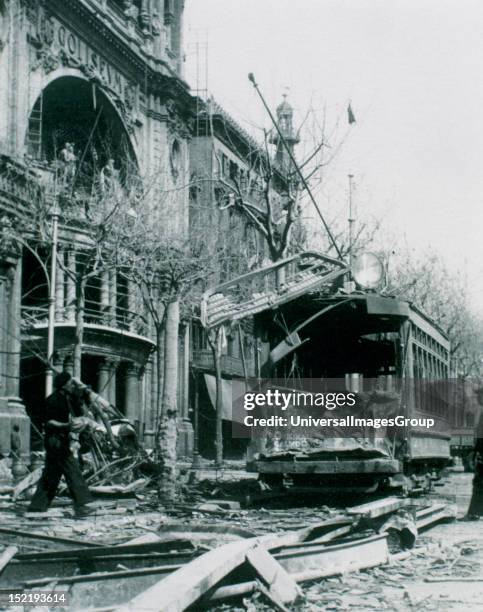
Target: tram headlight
pixel 368 270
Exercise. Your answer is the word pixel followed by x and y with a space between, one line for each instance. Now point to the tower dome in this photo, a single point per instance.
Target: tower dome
pixel 285 125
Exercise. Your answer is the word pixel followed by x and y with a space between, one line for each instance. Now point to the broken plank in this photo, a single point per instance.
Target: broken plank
pixel 99 551
pixel 120 574
pixel 27 482
pixel 380 507
pixel 19 571
pixel 279 582
pixel 6 556
pixel 241 589
pixel 32 535
pixel 454 579
pixel 435 514
pixel 272 598
pixel 185 586
pixel 321 561
pixel 328 529
pixel 325 562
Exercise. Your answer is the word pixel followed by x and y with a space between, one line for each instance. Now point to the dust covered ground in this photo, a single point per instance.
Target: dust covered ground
pixel 442 572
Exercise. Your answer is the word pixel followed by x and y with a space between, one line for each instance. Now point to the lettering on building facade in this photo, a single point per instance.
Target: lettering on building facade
pixel 57 46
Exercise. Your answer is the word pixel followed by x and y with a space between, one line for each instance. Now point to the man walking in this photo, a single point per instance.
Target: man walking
pixel 60 407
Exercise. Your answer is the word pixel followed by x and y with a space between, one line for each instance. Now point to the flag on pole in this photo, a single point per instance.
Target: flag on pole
pixel 350 115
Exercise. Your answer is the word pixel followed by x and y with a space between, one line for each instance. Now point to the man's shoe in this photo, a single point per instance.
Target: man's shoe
pixel 471 517
pixel 83 511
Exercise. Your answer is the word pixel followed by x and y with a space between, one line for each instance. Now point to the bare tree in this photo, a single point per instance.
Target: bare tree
pixel 268 199
pixel 170 268
pixel 93 205
pixel 426 281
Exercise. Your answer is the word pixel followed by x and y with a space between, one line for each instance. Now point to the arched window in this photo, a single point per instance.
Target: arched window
pixel 70 114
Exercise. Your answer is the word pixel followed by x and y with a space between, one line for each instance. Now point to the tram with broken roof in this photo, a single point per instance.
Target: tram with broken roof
pixel 397 363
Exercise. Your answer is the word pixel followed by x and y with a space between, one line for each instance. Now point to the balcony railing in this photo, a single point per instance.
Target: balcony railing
pixel 123 320
pixel 18 185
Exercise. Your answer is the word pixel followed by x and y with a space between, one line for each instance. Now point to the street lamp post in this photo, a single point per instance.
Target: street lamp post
pixel 51 321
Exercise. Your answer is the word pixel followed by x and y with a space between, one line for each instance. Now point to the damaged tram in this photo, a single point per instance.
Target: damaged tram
pixel 394 359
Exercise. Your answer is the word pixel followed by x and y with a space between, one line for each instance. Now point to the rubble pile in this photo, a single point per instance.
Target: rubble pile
pixel 218 554
pixel 395 586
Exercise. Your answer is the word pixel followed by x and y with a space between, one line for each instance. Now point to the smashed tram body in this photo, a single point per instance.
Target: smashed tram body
pixel 396 363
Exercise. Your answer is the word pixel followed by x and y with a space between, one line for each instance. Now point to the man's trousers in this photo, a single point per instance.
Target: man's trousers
pixel 58 463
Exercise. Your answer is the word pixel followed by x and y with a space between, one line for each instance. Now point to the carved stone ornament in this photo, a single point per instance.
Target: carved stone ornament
pixel 175 159
pixel 179 126
pixel 127 115
pixel 9 246
pixel 49 57
pixel 41 36
pixel 46 29
pixel 130 96
pixel 32 10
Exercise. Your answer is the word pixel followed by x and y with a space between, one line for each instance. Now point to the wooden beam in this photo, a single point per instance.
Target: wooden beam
pixel 42 536
pixel 183 587
pixel 310 564
pixel 6 556
pixel 380 507
pixel 279 582
pixel 272 598
pixel 27 482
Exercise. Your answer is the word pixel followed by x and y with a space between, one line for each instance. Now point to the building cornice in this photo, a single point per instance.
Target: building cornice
pixel 124 48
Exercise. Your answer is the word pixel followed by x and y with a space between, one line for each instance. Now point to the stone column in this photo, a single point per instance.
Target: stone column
pixel 5 293
pixel 147 395
pixel 59 290
pixel 103 379
pixel 158 27
pixel 3 328
pixel 69 364
pixel 58 361
pixel 111 383
pixel 168 23
pixel 141 398
pixel 14 422
pixel 14 313
pixel 70 294
pixel 145 17
pixel 154 393
pixel 131 407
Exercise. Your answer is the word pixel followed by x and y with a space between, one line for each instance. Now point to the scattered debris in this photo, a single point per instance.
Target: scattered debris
pixel 281 585
pixel 401 529
pixel 29 481
pixel 6 556
pixel 211 551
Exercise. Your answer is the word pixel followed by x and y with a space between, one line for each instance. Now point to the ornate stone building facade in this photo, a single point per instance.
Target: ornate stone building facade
pixel 95 90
